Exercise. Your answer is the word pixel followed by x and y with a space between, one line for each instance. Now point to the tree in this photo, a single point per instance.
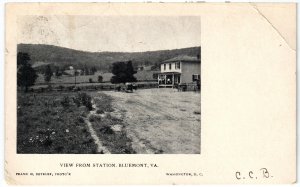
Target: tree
pixel 58 73
pixel 130 72
pixel 93 70
pixel 76 73
pixel 26 75
pixel 86 70
pixel 100 78
pixel 48 74
pixel 123 72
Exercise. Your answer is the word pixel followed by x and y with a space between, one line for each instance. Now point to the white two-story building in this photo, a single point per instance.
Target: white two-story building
pixel 179 70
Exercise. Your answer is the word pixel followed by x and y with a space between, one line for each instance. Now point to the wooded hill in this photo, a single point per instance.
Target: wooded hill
pixel 64 57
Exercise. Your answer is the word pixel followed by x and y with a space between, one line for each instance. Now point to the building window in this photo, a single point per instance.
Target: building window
pixel 196 77
pixel 177 65
pixel 164 66
pixel 170 66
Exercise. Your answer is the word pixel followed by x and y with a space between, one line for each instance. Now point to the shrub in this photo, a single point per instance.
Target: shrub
pixel 70 88
pixel 99 111
pixel 108 116
pixel 86 100
pixel 61 87
pixel 84 114
pixel 106 130
pixel 65 101
pixel 80 119
pixel 76 100
pixel 89 105
pixel 93 118
pixel 48 74
pixel 100 78
pixel 76 89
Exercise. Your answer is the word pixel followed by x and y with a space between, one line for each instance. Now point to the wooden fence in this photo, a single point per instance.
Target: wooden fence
pixel 104 87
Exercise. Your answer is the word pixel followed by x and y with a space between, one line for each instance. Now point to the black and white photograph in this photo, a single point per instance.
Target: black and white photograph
pixel 108 84
pixel 150 93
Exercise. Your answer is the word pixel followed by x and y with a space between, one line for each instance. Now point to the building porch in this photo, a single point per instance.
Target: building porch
pixel 168 80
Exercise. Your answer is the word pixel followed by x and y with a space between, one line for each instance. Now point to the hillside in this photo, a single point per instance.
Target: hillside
pixel 63 57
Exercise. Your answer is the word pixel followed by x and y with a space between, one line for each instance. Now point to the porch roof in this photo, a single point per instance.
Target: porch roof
pixel 168 73
pixel 183 58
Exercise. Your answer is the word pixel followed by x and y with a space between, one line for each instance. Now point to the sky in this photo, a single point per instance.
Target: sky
pixel 111 33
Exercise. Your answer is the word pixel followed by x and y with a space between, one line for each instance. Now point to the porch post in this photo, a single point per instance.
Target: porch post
pixel 173 80
pixel 158 77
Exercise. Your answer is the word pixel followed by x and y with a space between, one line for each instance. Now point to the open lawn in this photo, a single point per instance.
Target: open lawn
pixel 68 79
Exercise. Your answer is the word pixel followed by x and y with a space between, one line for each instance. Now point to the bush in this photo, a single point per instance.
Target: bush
pixel 65 102
pixel 76 100
pixel 80 119
pixel 100 78
pixel 86 100
pixel 70 88
pixel 106 130
pixel 49 88
pixel 60 87
pixel 75 89
pixel 94 118
pixel 99 111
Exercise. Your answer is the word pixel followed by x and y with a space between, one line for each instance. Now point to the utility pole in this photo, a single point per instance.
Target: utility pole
pixel 75 72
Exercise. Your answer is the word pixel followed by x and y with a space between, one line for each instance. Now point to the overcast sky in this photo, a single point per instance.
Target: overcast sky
pixel 111 33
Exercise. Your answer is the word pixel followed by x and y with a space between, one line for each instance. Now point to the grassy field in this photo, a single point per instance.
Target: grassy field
pixel 67 79
pixel 65 82
pixel 64 79
pixel 52 123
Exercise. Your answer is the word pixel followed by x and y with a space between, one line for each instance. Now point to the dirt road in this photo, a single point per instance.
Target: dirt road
pixel 160 120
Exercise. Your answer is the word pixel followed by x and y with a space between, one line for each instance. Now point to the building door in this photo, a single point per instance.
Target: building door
pixel 169 79
pixel 162 79
pixel 176 79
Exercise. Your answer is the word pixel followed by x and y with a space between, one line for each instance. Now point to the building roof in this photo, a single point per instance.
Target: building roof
pixel 183 58
pixel 39 64
pixel 69 72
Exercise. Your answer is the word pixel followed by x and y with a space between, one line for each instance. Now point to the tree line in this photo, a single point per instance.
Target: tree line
pixel 26 75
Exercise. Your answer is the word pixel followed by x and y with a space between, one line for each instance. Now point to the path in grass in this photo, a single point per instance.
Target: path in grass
pixel 109 126
pixel 100 147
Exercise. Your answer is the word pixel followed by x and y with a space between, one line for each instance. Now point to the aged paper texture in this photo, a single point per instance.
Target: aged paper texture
pixel 150 93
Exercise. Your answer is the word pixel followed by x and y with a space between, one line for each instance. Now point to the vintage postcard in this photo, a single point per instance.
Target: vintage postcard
pixel 150 93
